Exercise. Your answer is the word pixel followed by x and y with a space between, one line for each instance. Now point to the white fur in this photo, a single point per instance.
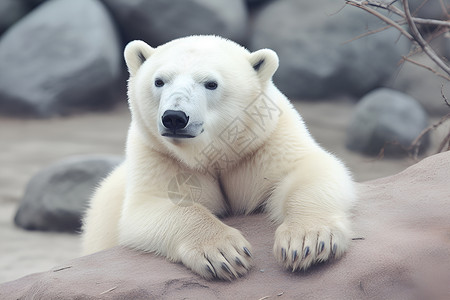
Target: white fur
pixel 274 164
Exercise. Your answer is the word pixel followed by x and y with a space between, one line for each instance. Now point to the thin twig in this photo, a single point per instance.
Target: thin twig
pixel 417 141
pixel 443 143
pixel 420 6
pixel 367 34
pixel 443 96
pixel 63 268
pixel 444 8
pixel 431 127
pixel 427 67
pixel 107 291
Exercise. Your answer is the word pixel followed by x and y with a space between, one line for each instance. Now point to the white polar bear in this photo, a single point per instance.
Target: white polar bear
pixel 206 113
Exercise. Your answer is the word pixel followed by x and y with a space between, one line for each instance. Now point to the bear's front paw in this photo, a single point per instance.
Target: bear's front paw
pixel 226 256
pixel 298 246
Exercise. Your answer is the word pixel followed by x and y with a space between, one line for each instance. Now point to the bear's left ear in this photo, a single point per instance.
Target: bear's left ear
pixel 265 63
pixel 136 53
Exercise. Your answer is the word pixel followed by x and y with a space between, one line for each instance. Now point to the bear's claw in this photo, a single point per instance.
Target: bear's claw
pixel 246 251
pixel 297 247
pixel 239 262
pixel 225 267
pixel 213 274
pixel 294 255
pixel 227 257
pixel 321 247
pixel 305 255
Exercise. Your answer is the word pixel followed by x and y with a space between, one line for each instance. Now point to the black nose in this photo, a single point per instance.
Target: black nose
pixel 174 119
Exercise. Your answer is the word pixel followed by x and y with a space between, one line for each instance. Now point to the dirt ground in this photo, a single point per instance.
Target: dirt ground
pixel 26 146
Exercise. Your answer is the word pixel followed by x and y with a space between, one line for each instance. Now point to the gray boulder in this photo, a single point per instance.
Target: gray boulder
pixel 386 119
pixel 56 197
pixel 318 56
pixel 62 57
pixel 159 21
pixel 10 12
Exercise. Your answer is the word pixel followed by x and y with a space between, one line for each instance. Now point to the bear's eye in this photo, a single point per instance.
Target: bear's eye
pixel 159 82
pixel 211 85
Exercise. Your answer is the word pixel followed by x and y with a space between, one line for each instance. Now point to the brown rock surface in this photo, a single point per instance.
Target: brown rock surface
pixel 401 250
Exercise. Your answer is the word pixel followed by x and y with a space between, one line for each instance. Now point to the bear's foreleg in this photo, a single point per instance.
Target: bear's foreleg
pixel 313 204
pixel 188 234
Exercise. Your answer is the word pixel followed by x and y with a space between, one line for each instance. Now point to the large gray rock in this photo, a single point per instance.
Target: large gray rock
pixel 400 250
pixel 386 119
pixel 317 57
pixel 56 197
pixel 159 21
pixel 62 57
pixel 10 12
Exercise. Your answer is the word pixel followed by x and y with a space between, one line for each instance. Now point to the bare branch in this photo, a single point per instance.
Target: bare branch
pixel 431 22
pixel 401 22
pixel 419 20
pixel 381 17
pixel 389 7
pixel 415 34
pixel 422 43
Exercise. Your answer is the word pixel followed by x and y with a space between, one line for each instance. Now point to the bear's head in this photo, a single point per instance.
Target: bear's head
pixel 185 95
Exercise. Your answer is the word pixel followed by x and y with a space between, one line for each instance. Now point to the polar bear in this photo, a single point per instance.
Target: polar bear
pixel 206 115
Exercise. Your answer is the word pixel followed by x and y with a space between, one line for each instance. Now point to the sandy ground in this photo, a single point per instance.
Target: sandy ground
pixel 26 146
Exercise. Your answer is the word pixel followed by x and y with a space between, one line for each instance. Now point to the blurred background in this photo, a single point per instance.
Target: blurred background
pixel 63 106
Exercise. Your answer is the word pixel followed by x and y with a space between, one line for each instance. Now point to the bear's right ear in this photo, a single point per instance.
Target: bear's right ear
pixel 136 53
pixel 265 63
